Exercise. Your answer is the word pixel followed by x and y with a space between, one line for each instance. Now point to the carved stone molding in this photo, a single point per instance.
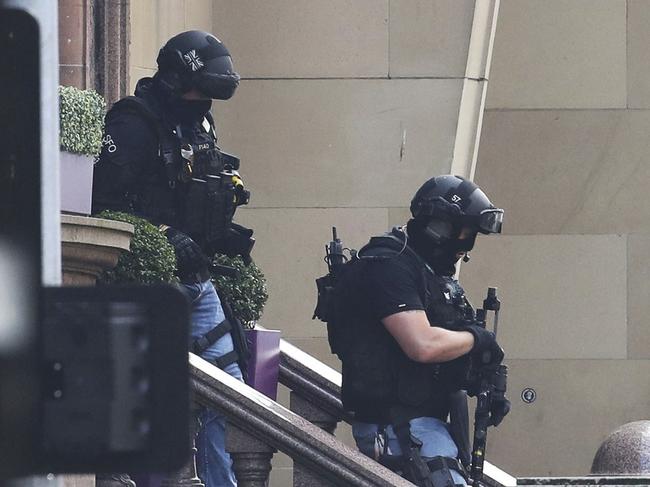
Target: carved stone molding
pixel 90 246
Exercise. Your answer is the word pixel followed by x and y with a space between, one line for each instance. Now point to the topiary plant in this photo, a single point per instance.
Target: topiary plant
pixel 151 259
pixel 246 293
pixel 81 116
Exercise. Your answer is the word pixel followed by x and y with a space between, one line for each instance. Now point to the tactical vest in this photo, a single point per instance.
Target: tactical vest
pixel 377 374
pixel 194 186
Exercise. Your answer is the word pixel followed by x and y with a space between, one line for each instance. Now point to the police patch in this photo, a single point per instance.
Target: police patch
pixel 193 60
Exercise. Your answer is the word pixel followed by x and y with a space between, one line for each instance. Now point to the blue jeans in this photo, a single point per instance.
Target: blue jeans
pixel 433 433
pixel 212 460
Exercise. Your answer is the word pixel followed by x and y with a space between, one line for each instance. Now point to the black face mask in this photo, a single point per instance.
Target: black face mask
pixel 188 111
pixel 441 257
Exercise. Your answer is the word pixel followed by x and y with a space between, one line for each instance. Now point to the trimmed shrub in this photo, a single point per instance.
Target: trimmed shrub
pixel 81 116
pixel 246 292
pixel 151 259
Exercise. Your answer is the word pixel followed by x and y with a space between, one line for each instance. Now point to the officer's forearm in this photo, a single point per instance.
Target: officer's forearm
pixel 445 345
pixel 422 342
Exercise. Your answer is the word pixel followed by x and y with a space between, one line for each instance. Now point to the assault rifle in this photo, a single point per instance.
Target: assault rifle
pixel 488 383
pixel 335 259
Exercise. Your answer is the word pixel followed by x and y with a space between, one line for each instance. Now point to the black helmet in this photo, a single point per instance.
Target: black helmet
pixel 445 204
pixel 196 59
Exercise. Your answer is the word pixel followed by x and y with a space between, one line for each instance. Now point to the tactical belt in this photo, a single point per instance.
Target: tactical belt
pixel 201 344
pixel 195 277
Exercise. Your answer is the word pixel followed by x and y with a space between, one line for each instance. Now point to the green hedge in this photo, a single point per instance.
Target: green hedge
pixel 81 116
pixel 151 259
pixel 246 293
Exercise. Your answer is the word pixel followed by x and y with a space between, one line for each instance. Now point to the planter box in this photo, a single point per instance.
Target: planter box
pixel 264 362
pixel 76 182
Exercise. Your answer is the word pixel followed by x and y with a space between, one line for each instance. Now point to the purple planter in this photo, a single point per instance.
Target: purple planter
pixel 76 182
pixel 264 362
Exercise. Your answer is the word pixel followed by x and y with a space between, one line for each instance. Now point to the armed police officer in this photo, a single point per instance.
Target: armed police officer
pixel 160 161
pixel 406 334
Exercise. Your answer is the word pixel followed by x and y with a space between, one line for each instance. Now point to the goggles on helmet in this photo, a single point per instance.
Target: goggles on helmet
pixel 490 220
pixel 216 86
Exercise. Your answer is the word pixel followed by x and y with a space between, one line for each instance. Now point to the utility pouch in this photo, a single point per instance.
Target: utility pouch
pixel 208 162
pixel 195 207
pixel 325 301
pixel 229 161
pixel 220 207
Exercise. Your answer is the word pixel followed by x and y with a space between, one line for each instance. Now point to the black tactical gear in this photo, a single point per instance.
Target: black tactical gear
pixel 190 259
pixel 498 411
pixel 376 373
pixel 485 341
pixel 169 172
pixel 393 274
pixel 196 60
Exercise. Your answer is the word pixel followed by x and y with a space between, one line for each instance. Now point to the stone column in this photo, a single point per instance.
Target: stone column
pixel 251 458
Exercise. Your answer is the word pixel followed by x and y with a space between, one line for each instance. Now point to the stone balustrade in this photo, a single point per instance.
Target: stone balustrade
pixel 316 396
pixel 258 426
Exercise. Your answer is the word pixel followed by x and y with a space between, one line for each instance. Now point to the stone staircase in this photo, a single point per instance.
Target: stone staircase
pixel 258 427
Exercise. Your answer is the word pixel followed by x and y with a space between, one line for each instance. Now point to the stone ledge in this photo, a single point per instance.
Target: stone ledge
pixel 90 246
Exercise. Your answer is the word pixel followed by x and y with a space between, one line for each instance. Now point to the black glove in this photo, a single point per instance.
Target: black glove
pixel 190 258
pixel 498 411
pixel 485 346
pixel 238 241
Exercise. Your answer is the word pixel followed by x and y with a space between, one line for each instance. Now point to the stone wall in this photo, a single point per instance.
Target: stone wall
pixel 564 150
pixel 344 109
pixel 93 46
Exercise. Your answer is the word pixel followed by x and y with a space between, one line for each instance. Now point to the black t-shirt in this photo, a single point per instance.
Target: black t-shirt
pixel 392 285
pixel 377 374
